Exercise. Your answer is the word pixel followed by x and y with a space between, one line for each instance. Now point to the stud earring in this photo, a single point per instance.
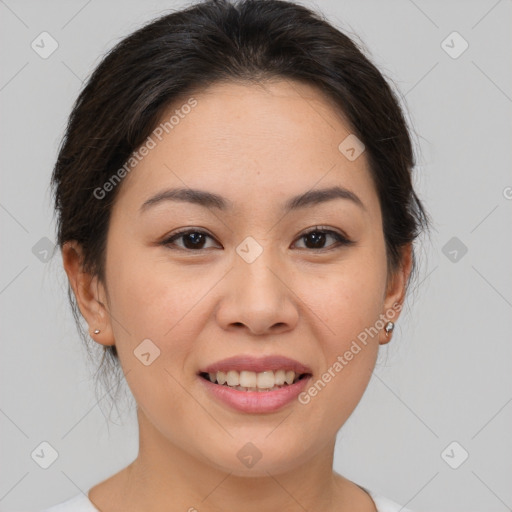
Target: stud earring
pixel 97 331
pixel 389 327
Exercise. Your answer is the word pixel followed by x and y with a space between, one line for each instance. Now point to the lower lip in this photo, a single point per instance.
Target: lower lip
pixel 256 401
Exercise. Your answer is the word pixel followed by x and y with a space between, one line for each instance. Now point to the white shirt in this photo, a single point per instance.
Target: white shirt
pixel 81 503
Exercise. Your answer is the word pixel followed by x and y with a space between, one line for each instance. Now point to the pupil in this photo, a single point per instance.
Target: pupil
pixel 317 238
pixel 197 240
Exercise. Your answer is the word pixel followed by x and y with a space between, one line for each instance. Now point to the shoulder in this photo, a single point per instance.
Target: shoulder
pixel 78 503
pixel 385 505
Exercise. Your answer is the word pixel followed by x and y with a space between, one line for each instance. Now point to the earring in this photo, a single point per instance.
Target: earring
pixel 389 327
pixel 97 331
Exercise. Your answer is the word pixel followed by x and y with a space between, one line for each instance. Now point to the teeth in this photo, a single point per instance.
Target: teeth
pixel 252 381
pixel 247 379
pixel 233 378
pixel 280 377
pixel 265 380
pixel 290 375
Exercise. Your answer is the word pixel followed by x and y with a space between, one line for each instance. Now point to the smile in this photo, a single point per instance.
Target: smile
pixel 248 381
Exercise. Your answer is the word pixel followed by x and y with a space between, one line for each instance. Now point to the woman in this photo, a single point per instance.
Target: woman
pixel 236 218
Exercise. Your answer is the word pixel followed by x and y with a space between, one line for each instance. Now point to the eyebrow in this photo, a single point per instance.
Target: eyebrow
pixel 211 200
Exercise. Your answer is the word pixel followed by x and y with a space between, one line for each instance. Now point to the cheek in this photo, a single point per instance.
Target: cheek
pixel 152 297
pixel 151 301
pixel 348 298
pixel 348 357
pixel 348 301
pixel 350 307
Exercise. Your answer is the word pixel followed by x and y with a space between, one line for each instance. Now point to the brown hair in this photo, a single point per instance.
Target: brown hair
pixel 212 41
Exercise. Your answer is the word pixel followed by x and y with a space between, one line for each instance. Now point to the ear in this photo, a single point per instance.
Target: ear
pixel 90 294
pixel 395 293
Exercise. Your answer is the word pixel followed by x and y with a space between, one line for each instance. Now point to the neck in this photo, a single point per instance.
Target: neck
pixel 165 477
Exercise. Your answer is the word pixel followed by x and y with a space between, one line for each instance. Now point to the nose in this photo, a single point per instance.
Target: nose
pixel 258 298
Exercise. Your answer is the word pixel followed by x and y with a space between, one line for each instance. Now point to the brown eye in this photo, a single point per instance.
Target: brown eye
pixel 317 238
pixel 193 240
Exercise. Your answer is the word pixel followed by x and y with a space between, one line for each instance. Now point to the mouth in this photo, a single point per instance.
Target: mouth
pixel 255 384
pixel 250 381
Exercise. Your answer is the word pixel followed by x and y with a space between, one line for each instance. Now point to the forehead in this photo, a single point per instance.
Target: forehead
pixel 274 139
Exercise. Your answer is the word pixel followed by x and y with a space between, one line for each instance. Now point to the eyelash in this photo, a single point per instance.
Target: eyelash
pixel 340 239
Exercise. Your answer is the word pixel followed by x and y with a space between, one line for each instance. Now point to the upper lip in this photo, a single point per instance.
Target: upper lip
pixel 256 364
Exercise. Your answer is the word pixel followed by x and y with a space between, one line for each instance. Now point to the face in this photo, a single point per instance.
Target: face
pixel 279 289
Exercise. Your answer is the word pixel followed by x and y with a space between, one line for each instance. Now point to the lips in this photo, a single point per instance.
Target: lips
pixel 267 383
pixel 257 365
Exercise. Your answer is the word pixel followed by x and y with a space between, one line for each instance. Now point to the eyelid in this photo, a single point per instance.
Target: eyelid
pixel 325 229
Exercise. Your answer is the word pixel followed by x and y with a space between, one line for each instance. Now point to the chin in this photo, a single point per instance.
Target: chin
pixel 259 458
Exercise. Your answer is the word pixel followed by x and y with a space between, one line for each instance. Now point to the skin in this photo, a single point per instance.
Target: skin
pixel 256 145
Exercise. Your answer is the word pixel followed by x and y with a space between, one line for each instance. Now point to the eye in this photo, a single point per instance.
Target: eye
pixel 317 237
pixel 193 239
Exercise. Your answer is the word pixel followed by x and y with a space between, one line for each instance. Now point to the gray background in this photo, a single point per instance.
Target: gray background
pixel 445 377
